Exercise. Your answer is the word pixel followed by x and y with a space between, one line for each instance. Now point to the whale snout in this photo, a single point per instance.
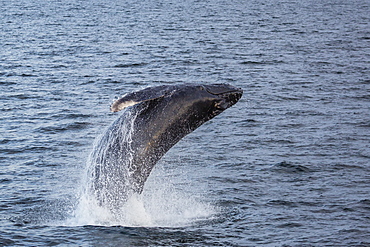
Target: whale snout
pixel 227 95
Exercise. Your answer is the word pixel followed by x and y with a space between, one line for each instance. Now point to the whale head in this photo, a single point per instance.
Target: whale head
pixel 215 97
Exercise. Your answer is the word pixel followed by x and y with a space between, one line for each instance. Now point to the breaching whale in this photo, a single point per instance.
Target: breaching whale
pixel 153 121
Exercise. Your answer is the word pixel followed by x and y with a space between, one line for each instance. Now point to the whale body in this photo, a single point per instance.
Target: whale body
pixel 153 120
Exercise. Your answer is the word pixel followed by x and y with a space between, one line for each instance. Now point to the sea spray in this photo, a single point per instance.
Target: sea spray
pixel 171 199
pixel 106 198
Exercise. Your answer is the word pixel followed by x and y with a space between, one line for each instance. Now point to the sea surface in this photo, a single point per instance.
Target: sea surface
pixel 288 165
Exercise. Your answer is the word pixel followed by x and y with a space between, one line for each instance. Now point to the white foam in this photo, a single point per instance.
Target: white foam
pixel 88 212
pixel 173 202
pixel 160 205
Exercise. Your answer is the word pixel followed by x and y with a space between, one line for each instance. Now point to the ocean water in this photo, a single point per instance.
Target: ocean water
pixel 288 165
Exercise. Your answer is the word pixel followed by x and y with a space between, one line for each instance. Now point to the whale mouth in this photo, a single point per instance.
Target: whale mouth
pixel 233 97
pixel 228 95
pixel 227 100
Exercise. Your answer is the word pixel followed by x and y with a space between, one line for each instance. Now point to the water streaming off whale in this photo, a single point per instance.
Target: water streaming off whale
pixel 108 183
pixel 108 196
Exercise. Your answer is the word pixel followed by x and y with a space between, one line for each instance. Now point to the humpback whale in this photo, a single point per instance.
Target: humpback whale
pixel 154 119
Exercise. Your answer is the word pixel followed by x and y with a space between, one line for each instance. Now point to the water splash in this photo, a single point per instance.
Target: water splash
pixel 106 198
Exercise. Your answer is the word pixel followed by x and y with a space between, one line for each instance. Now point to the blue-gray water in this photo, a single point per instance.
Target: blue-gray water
pixel 289 165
